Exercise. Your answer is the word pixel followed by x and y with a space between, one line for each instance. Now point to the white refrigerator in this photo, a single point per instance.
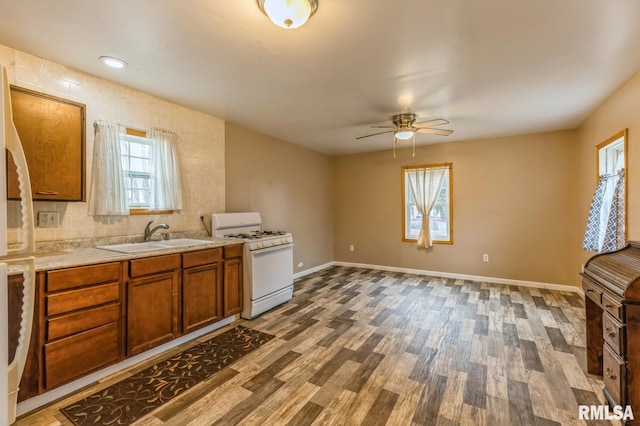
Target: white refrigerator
pixel 18 259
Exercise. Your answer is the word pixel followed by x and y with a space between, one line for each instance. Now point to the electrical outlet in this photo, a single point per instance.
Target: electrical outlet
pixel 485 257
pixel 200 214
pixel 48 219
pixel 352 247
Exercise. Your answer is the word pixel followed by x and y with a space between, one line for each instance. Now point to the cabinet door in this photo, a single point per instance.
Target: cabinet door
pixel 232 287
pixel 52 132
pixel 201 297
pixel 152 306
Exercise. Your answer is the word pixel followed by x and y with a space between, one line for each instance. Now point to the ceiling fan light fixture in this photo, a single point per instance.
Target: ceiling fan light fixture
pixel 288 14
pixel 403 134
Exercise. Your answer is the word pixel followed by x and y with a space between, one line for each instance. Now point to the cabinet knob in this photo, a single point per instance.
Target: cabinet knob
pixel 609 331
pixel 609 373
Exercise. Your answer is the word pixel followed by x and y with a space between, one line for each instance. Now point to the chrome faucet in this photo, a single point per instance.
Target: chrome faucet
pixel 149 232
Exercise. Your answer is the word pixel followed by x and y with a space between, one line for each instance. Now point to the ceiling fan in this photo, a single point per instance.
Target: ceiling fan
pixel 404 127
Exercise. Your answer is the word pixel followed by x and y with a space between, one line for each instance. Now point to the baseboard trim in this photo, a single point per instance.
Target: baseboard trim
pixel 534 284
pixel 312 270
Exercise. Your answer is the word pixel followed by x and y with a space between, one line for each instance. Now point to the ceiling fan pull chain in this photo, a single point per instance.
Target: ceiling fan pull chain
pixel 413 140
pixel 394 147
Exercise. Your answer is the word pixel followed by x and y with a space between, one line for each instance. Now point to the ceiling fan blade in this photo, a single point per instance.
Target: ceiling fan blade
pixel 374 134
pixel 442 132
pixel 383 127
pixel 435 122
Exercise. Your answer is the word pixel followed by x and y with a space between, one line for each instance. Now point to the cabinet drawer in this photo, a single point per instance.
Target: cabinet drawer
pixel 201 257
pixel 591 290
pixel 64 279
pixel 614 333
pixel 613 307
pixel 80 321
pixel 233 251
pixel 67 301
pixel 152 265
pixel 614 375
pixel 82 353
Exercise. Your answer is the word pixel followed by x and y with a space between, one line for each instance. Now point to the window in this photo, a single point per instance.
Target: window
pixel 611 155
pixel 606 228
pixel 441 213
pixel 136 168
pixel 134 172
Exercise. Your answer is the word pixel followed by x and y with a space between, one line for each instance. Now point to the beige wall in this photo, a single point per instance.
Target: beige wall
pixel 621 110
pixel 289 185
pixel 200 146
pixel 513 198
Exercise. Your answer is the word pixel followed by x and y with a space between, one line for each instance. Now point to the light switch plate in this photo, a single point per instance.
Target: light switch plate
pixel 48 219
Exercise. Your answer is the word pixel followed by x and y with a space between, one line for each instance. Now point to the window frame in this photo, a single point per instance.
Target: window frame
pixel 623 134
pixel 404 169
pixel 142 210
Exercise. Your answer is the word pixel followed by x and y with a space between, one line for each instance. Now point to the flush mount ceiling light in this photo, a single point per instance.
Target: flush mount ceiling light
pixel 112 62
pixel 288 14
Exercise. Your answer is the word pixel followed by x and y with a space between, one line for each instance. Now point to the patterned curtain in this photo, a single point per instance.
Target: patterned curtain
pixel 606 221
pixel 614 233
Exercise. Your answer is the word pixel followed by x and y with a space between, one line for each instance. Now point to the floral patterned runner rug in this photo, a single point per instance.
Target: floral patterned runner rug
pixel 134 397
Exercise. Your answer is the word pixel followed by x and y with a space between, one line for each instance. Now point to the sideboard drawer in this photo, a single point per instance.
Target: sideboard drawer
pixel 614 333
pixel 614 376
pixel 591 291
pixel 613 307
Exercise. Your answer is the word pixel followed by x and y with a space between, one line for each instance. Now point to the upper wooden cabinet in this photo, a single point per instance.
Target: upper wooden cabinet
pixel 52 132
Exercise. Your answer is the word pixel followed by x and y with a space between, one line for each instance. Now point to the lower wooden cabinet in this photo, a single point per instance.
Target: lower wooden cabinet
pixel 80 321
pixel 152 302
pixel 232 280
pixel 201 297
pixel 90 317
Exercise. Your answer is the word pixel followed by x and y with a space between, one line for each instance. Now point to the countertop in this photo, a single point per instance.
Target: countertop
pixel 89 256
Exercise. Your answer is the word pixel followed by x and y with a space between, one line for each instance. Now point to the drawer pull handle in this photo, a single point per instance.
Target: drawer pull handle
pixel 610 332
pixel 608 306
pixel 589 290
pixel 610 374
pixel 47 192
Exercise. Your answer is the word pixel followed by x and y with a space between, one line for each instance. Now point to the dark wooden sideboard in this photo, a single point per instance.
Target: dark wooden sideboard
pixel 611 282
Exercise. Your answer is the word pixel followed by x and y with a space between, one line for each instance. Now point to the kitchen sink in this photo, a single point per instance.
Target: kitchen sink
pixel 152 245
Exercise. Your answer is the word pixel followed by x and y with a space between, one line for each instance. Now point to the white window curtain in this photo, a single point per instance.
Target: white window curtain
pixel 166 193
pixel 107 196
pixel 425 186
pixel 605 231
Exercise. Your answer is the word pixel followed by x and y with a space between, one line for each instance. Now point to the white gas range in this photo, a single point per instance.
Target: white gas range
pixel 268 260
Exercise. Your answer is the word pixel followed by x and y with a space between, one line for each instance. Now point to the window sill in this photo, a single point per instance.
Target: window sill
pixel 147 211
pixel 407 240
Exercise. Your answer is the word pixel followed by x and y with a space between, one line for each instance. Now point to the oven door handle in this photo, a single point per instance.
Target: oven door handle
pixel 274 248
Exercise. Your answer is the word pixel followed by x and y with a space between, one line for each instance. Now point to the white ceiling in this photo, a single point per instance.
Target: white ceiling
pixel 490 67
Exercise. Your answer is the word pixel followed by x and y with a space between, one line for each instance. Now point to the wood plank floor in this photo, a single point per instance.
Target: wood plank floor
pixel 357 346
